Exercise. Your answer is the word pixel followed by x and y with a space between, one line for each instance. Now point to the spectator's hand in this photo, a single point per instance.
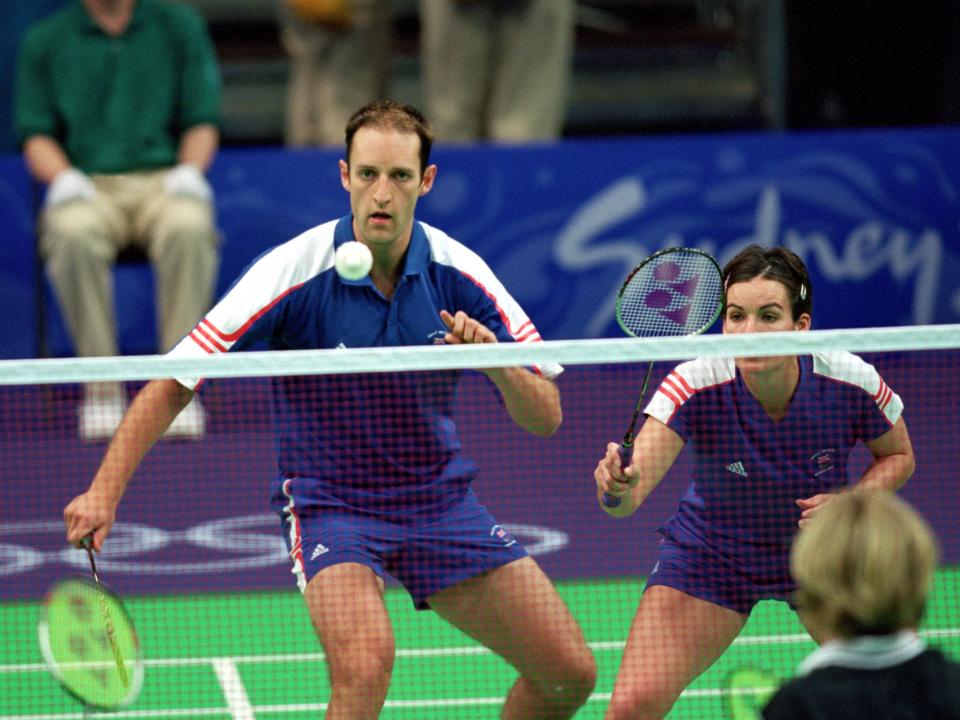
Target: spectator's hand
pixel 70 185
pixel 186 180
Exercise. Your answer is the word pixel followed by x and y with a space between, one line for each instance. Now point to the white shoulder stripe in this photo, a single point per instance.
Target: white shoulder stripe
pixel 685 380
pixel 447 251
pixel 452 253
pixel 273 276
pixel 853 370
pixel 277 273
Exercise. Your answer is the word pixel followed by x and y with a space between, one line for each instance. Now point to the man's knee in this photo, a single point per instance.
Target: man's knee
pixel 639 701
pixel 75 231
pixel 577 678
pixel 185 226
pixel 568 683
pixel 363 668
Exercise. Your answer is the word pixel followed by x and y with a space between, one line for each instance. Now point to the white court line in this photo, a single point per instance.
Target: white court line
pixel 234 692
pixel 240 707
pixel 437 652
pixel 314 707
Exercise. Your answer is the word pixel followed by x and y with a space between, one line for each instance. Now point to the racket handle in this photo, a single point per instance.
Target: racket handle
pixel 611 501
pixel 625 451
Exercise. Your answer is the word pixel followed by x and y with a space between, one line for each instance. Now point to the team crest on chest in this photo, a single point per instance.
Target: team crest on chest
pixel 823 461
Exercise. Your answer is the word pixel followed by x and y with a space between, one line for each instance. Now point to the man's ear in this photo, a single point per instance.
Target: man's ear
pixel 345 175
pixel 429 175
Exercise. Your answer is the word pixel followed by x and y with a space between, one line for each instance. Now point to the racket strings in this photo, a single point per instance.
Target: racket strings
pixel 89 643
pixel 675 293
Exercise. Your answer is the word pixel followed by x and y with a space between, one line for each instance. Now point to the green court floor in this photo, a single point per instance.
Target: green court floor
pixel 254 655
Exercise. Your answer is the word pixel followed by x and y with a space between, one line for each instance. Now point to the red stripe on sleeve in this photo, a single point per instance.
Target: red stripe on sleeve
pixel 675 382
pixel 230 337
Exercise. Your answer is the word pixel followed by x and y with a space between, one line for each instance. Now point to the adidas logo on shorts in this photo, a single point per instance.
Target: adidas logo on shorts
pixel 319 550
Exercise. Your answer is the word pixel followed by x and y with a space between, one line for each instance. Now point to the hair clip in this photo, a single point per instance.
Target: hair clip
pixel 803 291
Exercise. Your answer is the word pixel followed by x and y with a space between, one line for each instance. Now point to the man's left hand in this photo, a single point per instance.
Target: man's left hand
pixel 464 329
pixel 187 180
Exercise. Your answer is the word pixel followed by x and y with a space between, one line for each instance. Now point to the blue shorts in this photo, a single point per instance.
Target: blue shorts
pixel 424 556
pixel 700 571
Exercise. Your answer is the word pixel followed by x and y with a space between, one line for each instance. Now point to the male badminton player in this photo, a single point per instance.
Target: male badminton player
pixel 770 438
pixel 385 489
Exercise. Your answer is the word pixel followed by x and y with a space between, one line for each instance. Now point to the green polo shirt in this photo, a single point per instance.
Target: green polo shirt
pixel 117 104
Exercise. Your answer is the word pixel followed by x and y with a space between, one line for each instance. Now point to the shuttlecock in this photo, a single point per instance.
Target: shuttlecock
pixel 353 260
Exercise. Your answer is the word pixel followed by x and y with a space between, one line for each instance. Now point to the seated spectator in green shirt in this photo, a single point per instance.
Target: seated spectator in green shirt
pixel 117 110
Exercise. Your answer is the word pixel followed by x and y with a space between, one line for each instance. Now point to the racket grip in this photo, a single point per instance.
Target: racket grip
pixel 625 451
pixel 611 501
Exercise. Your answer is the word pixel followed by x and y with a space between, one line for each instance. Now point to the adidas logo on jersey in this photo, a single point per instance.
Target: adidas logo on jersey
pixel 738 469
pixel 319 550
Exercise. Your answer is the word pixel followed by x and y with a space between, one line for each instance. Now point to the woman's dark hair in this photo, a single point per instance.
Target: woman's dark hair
pixel 773 263
pixel 391 115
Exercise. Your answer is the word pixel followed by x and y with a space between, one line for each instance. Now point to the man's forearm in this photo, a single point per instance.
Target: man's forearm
pixel 149 415
pixel 532 401
pixel 198 145
pixel 45 158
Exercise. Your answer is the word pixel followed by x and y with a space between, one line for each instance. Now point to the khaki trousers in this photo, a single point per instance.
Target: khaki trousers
pixel 80 241
pixel 496 70
pixel 334 72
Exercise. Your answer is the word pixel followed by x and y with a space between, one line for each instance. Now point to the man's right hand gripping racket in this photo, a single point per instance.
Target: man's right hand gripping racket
pixel 676 291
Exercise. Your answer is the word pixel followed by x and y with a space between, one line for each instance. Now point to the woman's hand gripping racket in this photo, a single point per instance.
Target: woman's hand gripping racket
pixel 676 291
pixel 89 642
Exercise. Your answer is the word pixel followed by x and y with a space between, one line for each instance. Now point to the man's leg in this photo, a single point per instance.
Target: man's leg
pixel 182 242
pixel 346 608
pixel 455 48
pixel 535 41
pixel 79 242
pixel 517 612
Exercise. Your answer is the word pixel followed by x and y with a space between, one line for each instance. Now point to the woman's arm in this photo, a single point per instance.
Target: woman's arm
pixel 893 464
pixel 655 449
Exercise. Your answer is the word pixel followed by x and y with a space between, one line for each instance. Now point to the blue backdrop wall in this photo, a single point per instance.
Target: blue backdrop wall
pixel 876 216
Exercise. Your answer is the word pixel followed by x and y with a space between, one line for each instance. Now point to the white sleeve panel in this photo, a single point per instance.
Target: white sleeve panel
pixel 684 381
pixel 447 251
pixel 851 369
pixel 266 282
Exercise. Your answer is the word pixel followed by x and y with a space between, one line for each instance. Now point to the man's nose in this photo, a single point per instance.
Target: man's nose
pixel 381 192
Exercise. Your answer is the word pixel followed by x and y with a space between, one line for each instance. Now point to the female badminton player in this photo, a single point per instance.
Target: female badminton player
pixel 770 437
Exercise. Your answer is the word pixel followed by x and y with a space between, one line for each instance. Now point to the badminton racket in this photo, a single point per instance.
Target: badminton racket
pixel 89 643
pixel 676 291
